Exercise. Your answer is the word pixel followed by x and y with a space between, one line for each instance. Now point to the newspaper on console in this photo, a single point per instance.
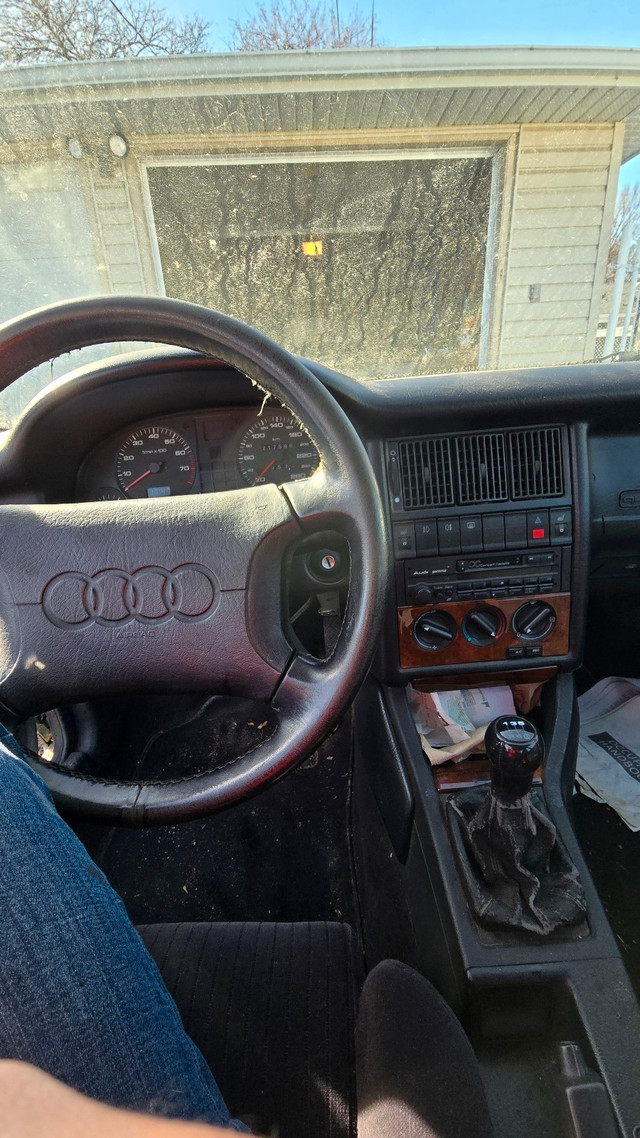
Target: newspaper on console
pixel 608 767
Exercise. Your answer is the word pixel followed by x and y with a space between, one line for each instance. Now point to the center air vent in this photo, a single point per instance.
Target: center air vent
pixel 467 470
pixel 482 475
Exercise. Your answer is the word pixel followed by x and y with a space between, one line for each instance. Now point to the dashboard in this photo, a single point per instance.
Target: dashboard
pixel 482 537
pixel 508 495
pixel 202 452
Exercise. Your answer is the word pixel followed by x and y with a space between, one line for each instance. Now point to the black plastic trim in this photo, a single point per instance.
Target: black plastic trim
pixel 431 827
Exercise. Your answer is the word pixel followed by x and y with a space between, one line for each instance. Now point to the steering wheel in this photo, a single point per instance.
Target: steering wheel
pixel 185 593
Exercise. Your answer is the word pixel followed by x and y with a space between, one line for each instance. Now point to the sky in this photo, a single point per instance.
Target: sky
pixel 414 23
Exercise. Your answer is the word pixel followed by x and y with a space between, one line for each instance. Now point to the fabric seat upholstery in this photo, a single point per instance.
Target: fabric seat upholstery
pixel 417 1074
pixel 272 1008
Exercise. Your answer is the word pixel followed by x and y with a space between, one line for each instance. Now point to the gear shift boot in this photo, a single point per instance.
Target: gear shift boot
pixel 517 873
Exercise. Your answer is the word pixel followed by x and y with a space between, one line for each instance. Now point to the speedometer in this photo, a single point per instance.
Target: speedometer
pixel 154 462
pixel 276 448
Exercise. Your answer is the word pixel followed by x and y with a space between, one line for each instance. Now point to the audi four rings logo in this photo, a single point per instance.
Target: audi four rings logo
pixel 111 597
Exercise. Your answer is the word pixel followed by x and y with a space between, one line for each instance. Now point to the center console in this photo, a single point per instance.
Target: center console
pixel 483 538
pixel 524 998
pixel 490 549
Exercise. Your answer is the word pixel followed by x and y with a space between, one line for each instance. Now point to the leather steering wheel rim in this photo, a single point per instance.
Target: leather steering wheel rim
pixel 309 696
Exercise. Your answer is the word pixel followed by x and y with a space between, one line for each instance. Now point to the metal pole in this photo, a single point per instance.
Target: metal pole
pixel 618 285
pixel 633 284
pixel 338 20
pixel 636 325
pixel 372 19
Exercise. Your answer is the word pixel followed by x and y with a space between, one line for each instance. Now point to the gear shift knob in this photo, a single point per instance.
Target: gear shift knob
pixel 515 750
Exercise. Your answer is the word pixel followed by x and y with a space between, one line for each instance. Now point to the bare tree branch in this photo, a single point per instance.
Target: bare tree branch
pixel 301 25
pixel 44 31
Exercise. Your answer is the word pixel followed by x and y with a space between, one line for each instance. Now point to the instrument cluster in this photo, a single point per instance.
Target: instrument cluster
pixel 199 452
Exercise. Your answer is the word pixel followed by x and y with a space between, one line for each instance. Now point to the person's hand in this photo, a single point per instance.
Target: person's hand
pixel 33 1103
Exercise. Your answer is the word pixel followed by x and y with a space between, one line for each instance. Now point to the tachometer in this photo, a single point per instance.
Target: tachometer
pixel 276 448
pixel 154 462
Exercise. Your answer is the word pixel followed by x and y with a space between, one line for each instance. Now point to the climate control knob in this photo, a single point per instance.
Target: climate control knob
pixel 434 630
pixel 483 625
pixel 534 620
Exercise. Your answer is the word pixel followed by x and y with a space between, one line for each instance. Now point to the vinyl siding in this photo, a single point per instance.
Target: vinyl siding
pixel 121 257
pixel 46 249
pixel 561 210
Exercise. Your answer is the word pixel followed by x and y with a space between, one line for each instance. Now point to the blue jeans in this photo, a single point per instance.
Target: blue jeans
pixel 80 997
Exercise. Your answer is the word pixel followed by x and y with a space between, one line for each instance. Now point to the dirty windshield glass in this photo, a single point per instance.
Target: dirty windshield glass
pixel 388 212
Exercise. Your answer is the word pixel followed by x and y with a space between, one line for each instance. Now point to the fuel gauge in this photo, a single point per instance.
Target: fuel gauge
pixel 109 494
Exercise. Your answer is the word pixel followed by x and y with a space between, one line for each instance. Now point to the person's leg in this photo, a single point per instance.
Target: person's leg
pixel 80 997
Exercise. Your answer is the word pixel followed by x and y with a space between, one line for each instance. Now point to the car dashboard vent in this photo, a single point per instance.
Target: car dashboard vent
pixel 481 468
pixel 470 469
pixel 535 458
pixel 426 472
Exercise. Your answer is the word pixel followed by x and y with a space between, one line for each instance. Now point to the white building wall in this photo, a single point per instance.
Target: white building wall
pixel 46 247
pixel 82 228
pixel 66 230
pixel 116 227
pixel 566 182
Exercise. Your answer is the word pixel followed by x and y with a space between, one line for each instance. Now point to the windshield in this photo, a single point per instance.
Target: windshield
pixel 386 212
